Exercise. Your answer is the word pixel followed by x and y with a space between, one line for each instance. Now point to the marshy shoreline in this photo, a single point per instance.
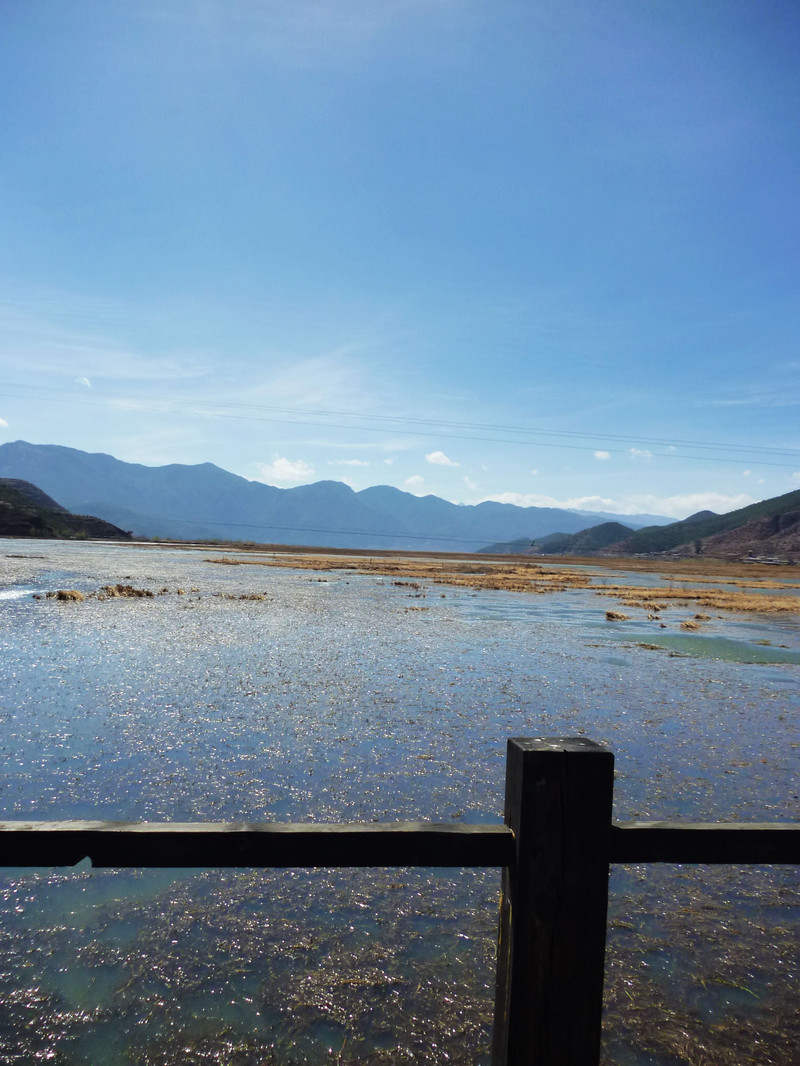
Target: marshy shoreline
pixel 522 574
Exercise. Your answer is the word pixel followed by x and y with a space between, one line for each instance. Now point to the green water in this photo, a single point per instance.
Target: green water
pixel 724 649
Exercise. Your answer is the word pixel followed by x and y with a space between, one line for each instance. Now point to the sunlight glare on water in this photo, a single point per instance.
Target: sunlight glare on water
pixel 340 699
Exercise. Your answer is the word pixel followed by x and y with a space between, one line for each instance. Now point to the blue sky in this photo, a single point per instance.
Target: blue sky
pixel 543 252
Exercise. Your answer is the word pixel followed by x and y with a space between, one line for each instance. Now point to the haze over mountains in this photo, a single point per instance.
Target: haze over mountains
pixel 206 502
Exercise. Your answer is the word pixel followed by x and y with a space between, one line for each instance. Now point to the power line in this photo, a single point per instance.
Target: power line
pixel 387 424
pixel 490 427
pixel 235 524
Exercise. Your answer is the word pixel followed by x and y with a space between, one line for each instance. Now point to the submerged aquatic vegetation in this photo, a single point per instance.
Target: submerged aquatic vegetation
pixel 335 701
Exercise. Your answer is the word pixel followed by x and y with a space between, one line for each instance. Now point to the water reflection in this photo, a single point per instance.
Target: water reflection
pixel 340 699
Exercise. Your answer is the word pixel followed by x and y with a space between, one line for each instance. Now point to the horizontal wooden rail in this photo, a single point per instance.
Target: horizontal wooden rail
pixel 705 842
pixel 287 844
pixel 254 844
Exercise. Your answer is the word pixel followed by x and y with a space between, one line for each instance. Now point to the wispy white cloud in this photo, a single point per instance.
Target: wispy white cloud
pixel 336 382
pixel 640 453
pixel 414 481
pixel 329 442
pixel 348 462
pixel 440 459
pixel 602 455
pixel 52 343
pixel 683 505
pixel 285 470
pixel 177 409
pixel 3 422
pixel 471 485
pixel 155 446
pixel 763 398
pixel 750 474
pixel 676 507
pixel 131 403
pixel 536 499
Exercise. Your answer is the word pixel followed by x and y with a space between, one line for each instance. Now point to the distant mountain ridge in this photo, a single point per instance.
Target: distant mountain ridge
pixel 634 521
pixel 584 543
pixel 205 502
pixel 587 542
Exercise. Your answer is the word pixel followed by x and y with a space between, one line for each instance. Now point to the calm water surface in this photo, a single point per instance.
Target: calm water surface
pixel 343 697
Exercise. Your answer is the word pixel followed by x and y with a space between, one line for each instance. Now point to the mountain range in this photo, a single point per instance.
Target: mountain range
pixel 204 502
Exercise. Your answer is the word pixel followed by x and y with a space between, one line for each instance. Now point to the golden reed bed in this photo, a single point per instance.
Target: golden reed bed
pixel 515 575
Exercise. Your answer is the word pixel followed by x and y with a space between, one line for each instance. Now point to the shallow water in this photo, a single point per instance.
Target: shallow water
pixel 348 697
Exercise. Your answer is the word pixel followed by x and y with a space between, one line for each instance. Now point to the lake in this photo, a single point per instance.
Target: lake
pixel 341 697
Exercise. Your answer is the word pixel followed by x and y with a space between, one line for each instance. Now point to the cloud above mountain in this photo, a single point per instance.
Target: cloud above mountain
pixel 440 459
pixel 678 506
pixel 285 471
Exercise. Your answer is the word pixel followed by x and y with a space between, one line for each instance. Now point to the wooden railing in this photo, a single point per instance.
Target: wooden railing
pixel 555 849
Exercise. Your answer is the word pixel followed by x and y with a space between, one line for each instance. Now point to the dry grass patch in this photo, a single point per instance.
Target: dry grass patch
pixel 533 577
pixel 67 596
pixel 742 583
pixel 507 577
pixel 125 592
pixel 718 599
pixel 240 596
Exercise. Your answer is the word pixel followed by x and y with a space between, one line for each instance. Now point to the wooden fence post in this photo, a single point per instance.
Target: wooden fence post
pixel 553 910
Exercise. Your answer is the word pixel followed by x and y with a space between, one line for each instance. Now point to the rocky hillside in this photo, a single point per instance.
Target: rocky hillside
pixel 26 511
pixel 775 537
pixel 768 528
